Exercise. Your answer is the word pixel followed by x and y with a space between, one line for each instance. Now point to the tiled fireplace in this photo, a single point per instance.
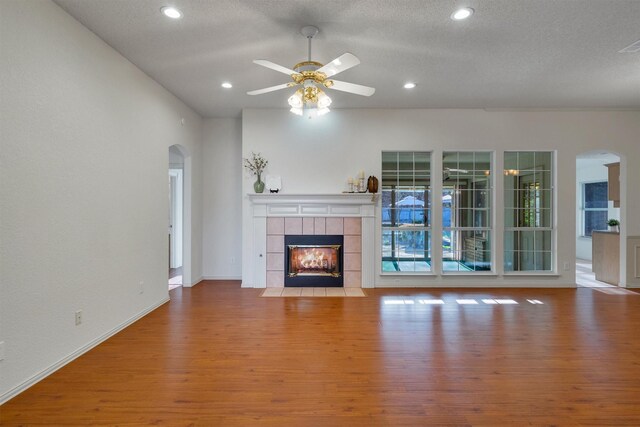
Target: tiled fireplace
pixel 313 260
pixel 278 218
pixel 279 228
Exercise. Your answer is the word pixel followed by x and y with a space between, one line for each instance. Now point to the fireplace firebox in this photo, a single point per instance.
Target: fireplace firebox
pixel 313 260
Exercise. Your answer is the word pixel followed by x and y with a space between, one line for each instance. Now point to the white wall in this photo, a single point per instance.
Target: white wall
pixel 83 200
pixel 590 170
pixel 317 156
pixel 222 227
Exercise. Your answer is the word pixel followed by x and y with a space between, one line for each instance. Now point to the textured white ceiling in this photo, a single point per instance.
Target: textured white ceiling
pixel 511 54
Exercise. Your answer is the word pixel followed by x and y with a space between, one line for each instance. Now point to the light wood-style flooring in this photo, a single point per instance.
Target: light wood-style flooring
pixel 219 355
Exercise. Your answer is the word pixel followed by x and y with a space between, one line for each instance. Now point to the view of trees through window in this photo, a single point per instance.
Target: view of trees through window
pixel 406 211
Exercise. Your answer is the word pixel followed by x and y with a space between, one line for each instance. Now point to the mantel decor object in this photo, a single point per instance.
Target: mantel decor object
pixel 372 184
pixel 274 183
pixel 256 165
pixel 361 187
pixel 258 186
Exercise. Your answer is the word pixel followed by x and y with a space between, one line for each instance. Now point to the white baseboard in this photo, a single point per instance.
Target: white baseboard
pixel 222 278
pixel 79 352
pixel 193 283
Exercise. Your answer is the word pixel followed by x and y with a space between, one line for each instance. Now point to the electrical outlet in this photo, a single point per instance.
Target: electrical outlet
pixel 141 287
pixel 1 351
pixel 565 266
pixel 78 317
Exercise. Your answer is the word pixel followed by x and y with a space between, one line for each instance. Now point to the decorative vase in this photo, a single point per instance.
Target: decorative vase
pixel 258 186
pixel 372 184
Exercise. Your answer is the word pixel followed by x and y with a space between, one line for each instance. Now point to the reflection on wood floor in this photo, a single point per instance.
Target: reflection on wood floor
pixel 218 354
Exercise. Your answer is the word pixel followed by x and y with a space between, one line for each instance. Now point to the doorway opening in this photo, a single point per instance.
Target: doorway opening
pixel 176 217
pixel 598 201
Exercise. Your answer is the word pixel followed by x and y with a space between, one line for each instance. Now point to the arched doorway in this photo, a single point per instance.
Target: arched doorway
pixel 179 230
pixel 598 200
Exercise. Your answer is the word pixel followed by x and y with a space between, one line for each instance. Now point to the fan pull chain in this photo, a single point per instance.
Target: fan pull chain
pixel 309 38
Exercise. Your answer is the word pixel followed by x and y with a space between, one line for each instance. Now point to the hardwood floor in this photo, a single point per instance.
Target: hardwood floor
pixel 221 355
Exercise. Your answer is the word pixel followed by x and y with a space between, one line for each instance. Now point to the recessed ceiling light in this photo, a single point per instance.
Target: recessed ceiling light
pixel 463 13
pixel 171 12
pixel 226 85
pixel 409 85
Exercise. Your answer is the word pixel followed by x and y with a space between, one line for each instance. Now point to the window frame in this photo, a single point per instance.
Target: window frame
pixel 551 228
pixel 584 209
pixel 490 216
pixel 395 227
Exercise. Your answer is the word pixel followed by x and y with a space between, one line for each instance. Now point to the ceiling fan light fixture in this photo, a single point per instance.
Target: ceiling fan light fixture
pixel 462 13
pixel 310 95
pixel 323 101
pixel 310 100
pixel 295 100
pixel 409 85
pixel 311 112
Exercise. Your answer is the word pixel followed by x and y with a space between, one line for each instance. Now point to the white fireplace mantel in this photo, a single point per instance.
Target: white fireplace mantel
pixel 360 205
pixel 301 205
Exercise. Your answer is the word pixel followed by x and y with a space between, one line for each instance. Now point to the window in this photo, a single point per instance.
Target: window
pixel 528 215
pixel 406 212
pixel 466 211
pixel 595 201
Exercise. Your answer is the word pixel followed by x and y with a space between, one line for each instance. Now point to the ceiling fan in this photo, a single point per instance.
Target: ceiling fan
pixel 446 172
pixel 310 99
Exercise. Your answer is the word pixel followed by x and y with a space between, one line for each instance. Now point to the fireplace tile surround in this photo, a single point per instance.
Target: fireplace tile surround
pixel 277 215
pixel 352 250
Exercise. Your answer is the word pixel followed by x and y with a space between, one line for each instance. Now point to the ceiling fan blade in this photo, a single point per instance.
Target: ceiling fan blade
pixel 270 89
pixel 456 170
pixel 340 64
pixel 275 66
pixel 352 88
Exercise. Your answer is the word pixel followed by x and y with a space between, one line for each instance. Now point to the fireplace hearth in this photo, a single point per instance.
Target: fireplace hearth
pixel 313 260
